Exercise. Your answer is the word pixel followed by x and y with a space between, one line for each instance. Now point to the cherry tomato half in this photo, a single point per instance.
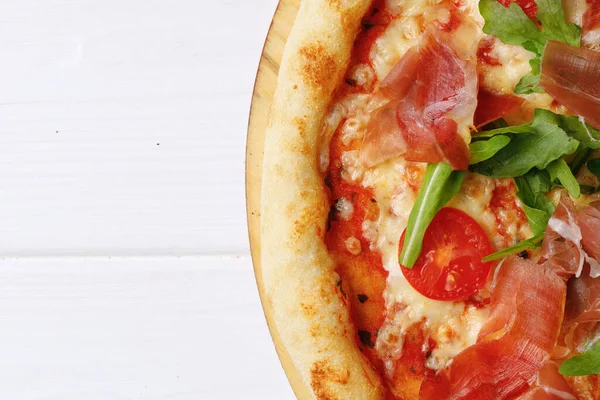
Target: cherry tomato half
pixel 449 266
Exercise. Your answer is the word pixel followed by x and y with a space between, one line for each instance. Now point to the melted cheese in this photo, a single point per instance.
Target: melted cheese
pixel 393 193
pixel 345 208
pixel 514 62
pixel 404 31
pixel 388 49
pixel 454 326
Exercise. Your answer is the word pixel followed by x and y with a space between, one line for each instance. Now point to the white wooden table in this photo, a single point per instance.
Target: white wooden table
pixel 124 263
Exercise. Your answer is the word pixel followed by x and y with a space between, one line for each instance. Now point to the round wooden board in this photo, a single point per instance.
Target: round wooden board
pixel 264 87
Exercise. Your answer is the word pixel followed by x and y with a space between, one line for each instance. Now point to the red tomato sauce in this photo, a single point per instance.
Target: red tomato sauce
pixel 484 53
pixel 374 24
pixel 363 278
pixel 504 200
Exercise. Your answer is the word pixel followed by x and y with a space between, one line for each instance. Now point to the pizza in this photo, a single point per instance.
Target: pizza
pixel 430 205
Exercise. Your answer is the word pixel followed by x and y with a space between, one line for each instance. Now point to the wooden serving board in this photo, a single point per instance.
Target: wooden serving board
pixel 264 87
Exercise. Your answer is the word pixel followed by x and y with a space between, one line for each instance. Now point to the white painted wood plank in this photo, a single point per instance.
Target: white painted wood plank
pixel 123 123
pixel 134 328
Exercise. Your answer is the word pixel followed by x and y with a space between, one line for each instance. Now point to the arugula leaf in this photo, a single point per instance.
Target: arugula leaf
pixel 530 82
pixel 512 26
pixel 587 363
pixel 499 123
pixel 594 167
pixel 559 169
pixel 485 149
pixel 538 208
pixel 527 128
pixel 552 16
pixel 577 129
pixel 537 144
pixel 439 185
pixel 579 158
pixel 530 243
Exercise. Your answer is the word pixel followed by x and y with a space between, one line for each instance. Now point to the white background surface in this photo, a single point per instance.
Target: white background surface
pixel 124 263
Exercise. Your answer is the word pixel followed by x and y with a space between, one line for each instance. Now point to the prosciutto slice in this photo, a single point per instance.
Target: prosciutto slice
pixel 591 24
pixel 571 249
pixel 491 106
pixel 550 385
pixel 572 76
pixel 517 341
pixel 582 314
pixel 571 239
pixel 432 95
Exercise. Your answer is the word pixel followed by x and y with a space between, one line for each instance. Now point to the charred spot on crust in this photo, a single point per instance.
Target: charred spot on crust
pixel 323 375
pixel 341 288
pixel 365 338
pixel 367 25
pixel 524 254
pixel 362 297
pixel 373 200
pixel 319 66
pixel 327 180
pixel 350 81
pixel 331 216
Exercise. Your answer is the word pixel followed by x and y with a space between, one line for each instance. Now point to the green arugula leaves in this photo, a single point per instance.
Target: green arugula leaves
pixel 531 243
pixel 512 26
pixel 441 183
pixel 485 149
pixel 534 158
pixel 538 208
pixel 536 144
pixel 594 167
pixel 559 171
pixel 587 363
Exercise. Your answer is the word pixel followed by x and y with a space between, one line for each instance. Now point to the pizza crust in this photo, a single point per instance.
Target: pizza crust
pixel 302 293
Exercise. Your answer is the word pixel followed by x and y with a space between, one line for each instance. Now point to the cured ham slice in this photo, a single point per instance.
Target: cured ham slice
pixel 591 24
pixel 432 93
pixel 582 313
pixel 492 106
pixel 589 223
pixel 550 385
pixel 518 339
pixel 571 249
pixel 571 240
pixel 563 253
pixel 572 76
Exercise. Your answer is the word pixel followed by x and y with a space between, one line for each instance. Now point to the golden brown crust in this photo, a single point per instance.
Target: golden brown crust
pixel 301 293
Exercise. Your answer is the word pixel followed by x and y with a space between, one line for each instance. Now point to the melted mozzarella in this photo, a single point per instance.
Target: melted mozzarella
pixel 514 62
pixel 393 193
pixel 353 245
pixel 388 49
pixel 352 168
pixel 345 208
pixel 404 31
pixel 453 325
pixel 356 105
